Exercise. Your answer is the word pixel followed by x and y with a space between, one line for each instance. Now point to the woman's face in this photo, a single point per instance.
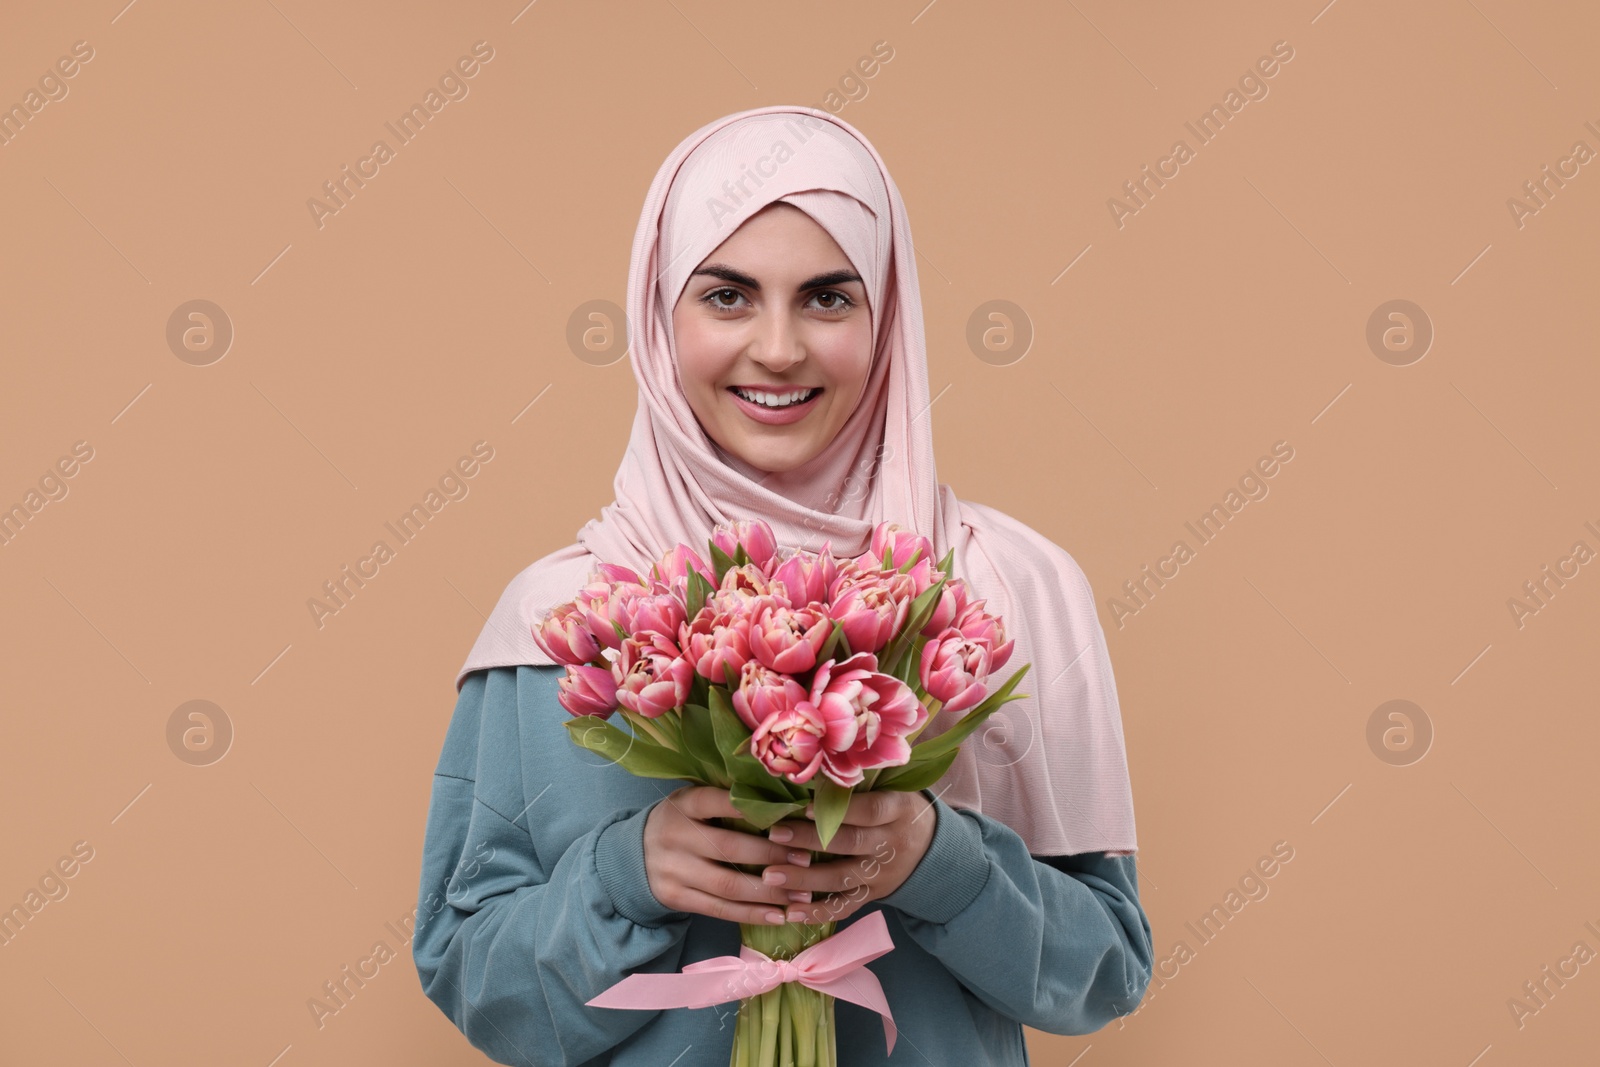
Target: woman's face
pixel 775 309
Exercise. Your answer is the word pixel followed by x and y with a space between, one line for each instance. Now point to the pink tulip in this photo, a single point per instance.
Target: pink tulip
pixel 588 691
pixel 746 582
pixel 788 639
pixel 673 568
pixel 866 717
pixel 763 692
pixel 565 636
pixel 807 579
pixel 978 625
pixel 603 604
pixel 659 613
pixel 652 678
pixel 716 638
pixel 905 543
pixel 954 670
pixel 872 607
pixel 754 534
pixel 617 574
pixel 953 599
pixel 789 742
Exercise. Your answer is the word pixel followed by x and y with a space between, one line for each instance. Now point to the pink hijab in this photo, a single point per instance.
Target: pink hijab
pixel 1050 766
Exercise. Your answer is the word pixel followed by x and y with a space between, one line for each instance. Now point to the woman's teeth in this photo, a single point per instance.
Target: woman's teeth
pixel 778 400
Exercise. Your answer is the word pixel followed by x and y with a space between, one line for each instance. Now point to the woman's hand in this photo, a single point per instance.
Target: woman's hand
pixel 689 861
pixel 883 837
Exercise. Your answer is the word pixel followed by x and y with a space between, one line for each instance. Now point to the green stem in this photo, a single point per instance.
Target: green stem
pixel 785 1026
pixel 769 1028
pixel 807 1005
pixel 752 1031
pixel 740 1024
pixel 643 725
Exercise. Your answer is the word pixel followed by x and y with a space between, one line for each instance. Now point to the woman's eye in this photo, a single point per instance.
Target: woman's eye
pixel 714 298
pixel 835 301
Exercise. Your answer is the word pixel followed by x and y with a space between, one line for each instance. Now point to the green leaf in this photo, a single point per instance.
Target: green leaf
pixel 969 722
pixel 921 611
pixel 633 754
pixel 701 741
pixel 696 591
pixel 918 775
pixel 726 726
pixel 758 808
pixel 909 667
pixel 836 640
pixel 721 562
pixel 922 607
pixel 831 800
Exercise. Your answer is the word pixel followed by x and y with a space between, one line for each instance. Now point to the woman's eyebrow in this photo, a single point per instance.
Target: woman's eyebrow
pixel 739 277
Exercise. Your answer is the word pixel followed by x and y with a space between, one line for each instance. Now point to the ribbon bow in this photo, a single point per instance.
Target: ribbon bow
pixel 835 965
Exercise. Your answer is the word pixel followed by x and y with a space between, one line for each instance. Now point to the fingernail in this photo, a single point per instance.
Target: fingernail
pixel 775 917
pixel 780 834
pixel 796 915
pixel 800 859
pixel 802 896
pixel 811 811
pixel 773 877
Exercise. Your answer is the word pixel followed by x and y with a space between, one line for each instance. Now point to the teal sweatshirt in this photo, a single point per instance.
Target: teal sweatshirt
pixel 534 899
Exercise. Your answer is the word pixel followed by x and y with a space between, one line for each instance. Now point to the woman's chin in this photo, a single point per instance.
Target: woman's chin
pixel 765 457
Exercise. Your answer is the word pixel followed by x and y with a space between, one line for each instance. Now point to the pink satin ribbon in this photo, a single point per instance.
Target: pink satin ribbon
pixel 835 965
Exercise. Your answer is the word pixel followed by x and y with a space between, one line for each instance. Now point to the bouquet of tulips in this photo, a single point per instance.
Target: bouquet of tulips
pixel 791 679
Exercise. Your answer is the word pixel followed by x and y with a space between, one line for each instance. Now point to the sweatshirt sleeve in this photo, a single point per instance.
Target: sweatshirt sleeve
pixel 1058 943
pixel 515 932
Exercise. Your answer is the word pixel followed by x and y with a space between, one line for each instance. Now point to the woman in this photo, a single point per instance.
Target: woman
pixel 776 334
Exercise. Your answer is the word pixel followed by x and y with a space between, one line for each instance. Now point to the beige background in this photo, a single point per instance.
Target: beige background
pixel 1169 353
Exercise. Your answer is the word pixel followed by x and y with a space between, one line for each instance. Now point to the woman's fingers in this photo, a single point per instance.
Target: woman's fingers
pixel 848 840
pixel 702 903
pixel 705 879
pixel 705 802
pixel 831 907
pixel 834 876
pixel 736 846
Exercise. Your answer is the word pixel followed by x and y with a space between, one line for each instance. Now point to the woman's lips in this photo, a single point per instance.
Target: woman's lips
pixel 775 416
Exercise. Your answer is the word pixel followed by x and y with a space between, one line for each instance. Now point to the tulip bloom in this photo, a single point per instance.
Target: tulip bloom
pixel 565 637
pixel 754 534
pixel 789 639
pixel 789 742
pixel 716 639
pixel 872 607
pixel 954 670
pixel 867 715
pixel 763 692
pixel 588 691
pixel 807 579
pixel 652 678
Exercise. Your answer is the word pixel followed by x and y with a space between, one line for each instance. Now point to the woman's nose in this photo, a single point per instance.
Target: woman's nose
pixel 777 344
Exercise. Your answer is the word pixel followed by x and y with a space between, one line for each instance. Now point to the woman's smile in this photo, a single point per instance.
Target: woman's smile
pixel 776 408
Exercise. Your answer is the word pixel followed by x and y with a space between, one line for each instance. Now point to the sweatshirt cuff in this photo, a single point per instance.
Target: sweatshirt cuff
pixel 619 856
pixel 950 874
